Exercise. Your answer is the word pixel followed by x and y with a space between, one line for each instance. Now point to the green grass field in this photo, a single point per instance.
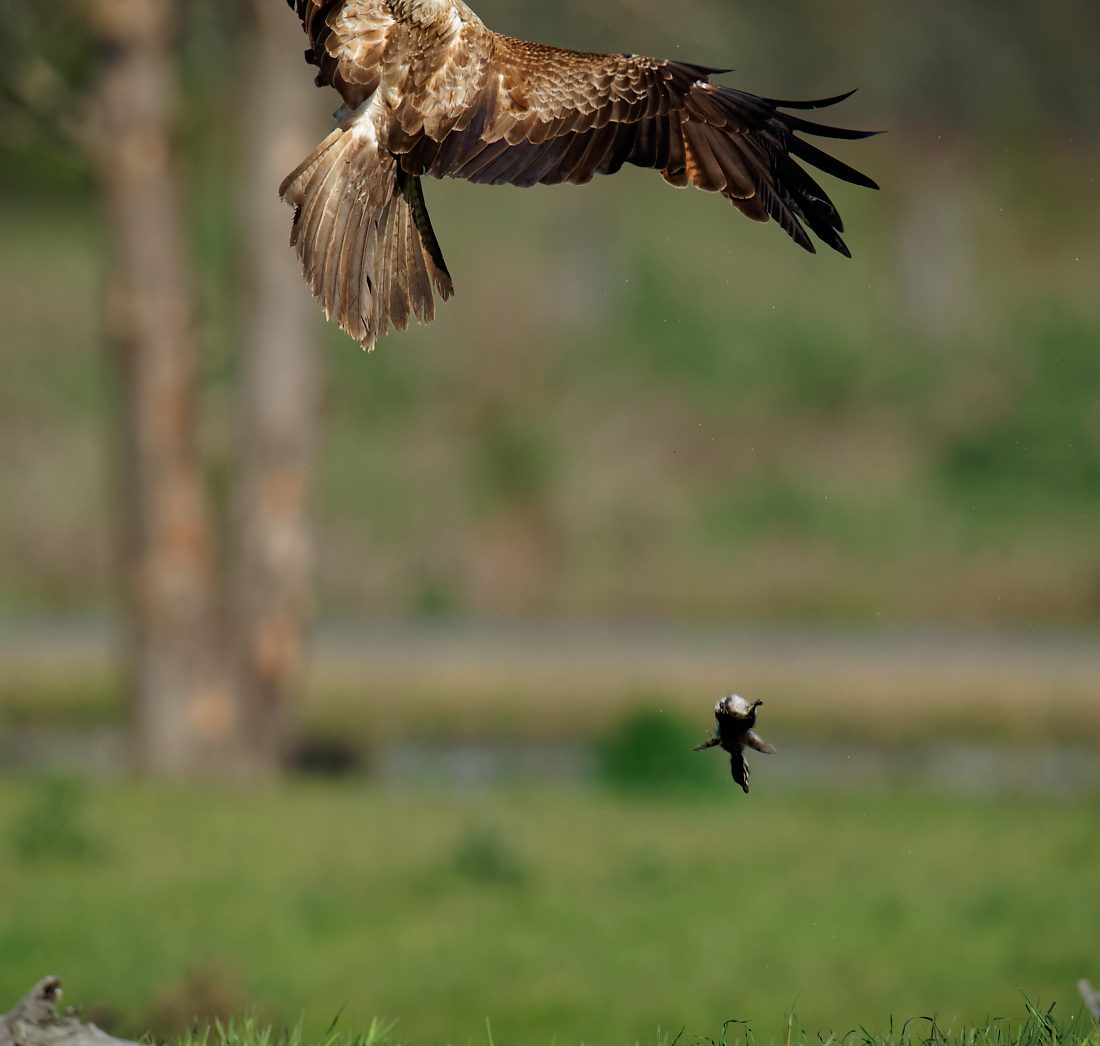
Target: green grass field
pixel 561 915
pixel 1036 1029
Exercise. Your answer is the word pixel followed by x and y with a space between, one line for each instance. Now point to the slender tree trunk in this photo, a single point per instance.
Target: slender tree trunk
pixel 272 539
pixel 186 714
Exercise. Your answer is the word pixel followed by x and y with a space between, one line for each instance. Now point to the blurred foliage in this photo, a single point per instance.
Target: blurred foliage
pixel 650 752
pixel 512 460
pixel 52 826
pixel 1042 440
pixel 209 994
pixel 486 855
pixel 672 412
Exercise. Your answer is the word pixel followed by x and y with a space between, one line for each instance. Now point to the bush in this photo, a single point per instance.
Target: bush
pixel 651 751
pixel 52 826
pixel 486 855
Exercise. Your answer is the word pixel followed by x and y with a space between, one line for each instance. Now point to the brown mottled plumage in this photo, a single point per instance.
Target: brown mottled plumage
pixel 429 89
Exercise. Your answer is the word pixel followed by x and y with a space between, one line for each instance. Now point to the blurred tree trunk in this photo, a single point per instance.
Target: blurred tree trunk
pixel 186 715
pixel 272 540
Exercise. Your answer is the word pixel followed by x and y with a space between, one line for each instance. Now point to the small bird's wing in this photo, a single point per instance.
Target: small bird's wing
pixel 347 39
pixel 710 742
pixel 523 114
pixel 754 740
pixel 739 770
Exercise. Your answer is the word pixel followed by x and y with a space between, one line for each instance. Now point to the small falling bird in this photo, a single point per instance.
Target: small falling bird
pixel 735 718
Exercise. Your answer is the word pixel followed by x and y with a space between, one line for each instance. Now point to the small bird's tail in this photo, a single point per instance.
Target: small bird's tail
pixel 739 770
pixel 363 235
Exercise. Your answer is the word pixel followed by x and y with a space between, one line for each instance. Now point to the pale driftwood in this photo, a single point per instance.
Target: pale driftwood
pixel 35 1021
pixel 1091 997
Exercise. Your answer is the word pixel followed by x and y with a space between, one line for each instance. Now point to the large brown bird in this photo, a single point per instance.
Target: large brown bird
pixel 428 88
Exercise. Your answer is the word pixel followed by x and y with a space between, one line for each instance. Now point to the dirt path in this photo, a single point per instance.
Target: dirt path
pixel 567 678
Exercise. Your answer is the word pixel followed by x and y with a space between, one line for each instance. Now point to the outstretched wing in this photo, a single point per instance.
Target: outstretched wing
pixel 710 742
pixel 527 114
pixel 347 39
pixel 754 740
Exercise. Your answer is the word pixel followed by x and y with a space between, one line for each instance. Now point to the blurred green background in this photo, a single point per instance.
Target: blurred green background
pixel 686 457
pixel 678 414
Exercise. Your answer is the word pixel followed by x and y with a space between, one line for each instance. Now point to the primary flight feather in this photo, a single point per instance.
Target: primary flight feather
pixel 428 88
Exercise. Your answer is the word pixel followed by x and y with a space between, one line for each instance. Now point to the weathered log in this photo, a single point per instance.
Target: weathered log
pixel 35 1021
pixel 1090 996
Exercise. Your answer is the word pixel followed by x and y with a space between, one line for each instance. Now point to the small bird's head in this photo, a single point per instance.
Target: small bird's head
pixel 736 706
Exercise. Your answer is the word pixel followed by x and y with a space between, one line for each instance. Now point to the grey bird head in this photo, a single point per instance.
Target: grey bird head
pixel 735 719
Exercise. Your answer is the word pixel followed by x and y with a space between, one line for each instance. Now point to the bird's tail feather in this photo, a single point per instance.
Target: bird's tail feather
pixel 739 770
pixel 364 238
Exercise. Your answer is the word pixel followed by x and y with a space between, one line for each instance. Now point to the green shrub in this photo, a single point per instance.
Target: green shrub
pixel 651 751
pixel 486 855
pixel 52 827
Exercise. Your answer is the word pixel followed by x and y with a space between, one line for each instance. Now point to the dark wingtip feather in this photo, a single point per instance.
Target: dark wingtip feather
pixel 832 239
pixel 811 103
pixel 796 123
pixel 798 199
pixel 829 164
pixel 701 71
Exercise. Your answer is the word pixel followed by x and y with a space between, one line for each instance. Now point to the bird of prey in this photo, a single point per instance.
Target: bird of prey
pixel 734 720
pixel 429 89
